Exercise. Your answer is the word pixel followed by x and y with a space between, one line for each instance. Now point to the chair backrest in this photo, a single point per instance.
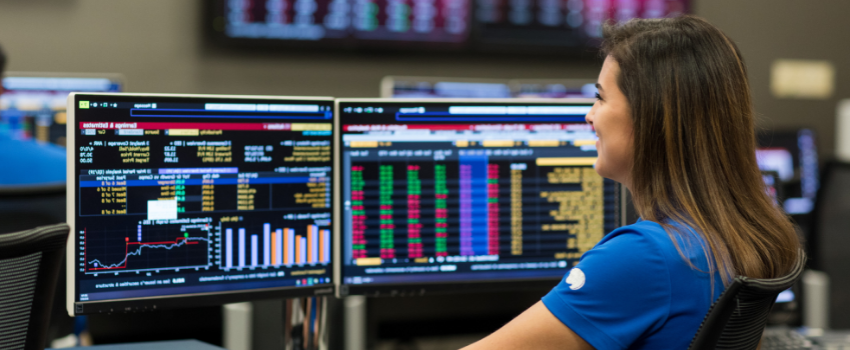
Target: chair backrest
pixel 737 318
pixel 29 265
pixel 24 207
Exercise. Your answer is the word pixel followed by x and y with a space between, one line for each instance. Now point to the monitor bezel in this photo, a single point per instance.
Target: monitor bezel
pixel 171 301
pixel 443 287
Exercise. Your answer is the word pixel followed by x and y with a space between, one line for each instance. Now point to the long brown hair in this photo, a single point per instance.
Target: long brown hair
pixel 694 143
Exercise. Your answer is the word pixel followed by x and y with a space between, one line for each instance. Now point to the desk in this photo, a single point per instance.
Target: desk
pixel 157 345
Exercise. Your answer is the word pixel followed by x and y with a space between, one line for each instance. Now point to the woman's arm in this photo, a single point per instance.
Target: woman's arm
pixel 536 328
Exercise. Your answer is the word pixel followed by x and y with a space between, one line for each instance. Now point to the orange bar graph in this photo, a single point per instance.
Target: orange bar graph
pixel 298 256
pixel 274 248
pixel 310 236
pixel 322 248
pixel 286 247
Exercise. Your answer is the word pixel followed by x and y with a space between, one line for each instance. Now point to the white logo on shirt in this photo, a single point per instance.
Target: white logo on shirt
pixel 575 279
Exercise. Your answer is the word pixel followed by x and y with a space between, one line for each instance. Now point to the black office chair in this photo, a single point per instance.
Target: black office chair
pixel 738 317
pixel 25 207
pixel 29 265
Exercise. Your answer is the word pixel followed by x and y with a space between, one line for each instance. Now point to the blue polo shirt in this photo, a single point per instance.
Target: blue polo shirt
pixel 634 290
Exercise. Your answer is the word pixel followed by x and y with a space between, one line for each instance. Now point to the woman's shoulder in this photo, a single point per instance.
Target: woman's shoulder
pixel 641 230
pixel 660 237
pixel 657 240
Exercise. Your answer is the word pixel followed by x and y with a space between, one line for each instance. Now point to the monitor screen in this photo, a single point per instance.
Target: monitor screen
pixel 32 106
pixel 32 122
pixel 560 24
pixel 433 87
pixel 553 88
pixel 444 23
pixel 519 26
pixel 182 200
pixel 448 194
pixel 793 154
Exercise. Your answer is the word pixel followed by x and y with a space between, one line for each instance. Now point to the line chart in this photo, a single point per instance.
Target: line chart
pixel 97 265
pixel 119 251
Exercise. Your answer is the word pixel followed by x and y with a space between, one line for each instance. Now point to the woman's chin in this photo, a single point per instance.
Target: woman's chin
pixel 603 170
pixel 600 168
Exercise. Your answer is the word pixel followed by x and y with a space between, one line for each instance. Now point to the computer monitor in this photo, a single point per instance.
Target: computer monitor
pixel 435 87
pixel 189 200
pixel 443 195
pixel 568 27
pixel 772 186
pixel 793 154
pixel 553 88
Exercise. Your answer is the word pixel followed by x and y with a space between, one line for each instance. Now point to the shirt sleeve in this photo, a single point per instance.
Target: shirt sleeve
pixel 619 291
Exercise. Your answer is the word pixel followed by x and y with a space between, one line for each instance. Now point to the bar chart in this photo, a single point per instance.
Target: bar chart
pixel 303 246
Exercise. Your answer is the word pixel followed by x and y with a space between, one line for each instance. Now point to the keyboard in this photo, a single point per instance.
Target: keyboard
pixel 784 339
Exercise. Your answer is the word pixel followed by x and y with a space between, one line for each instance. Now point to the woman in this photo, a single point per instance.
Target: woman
pixel 676 127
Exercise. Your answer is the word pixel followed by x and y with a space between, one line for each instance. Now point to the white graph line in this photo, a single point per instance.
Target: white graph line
pixel 98 264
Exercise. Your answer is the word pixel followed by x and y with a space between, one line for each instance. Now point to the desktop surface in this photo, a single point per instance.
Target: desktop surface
pixel 185 200
pixel 438 194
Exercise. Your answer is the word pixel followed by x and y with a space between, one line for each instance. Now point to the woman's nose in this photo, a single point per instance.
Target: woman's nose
pixel 589 116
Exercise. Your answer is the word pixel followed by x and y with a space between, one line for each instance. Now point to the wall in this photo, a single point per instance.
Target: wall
pixel 766 30
pixel 157 45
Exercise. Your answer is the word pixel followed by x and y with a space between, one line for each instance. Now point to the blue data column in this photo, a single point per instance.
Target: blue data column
pixel 253 250
pixel 278 243
pixel 228 246
pixel 473 164
pixel 267 245
pixel 241 247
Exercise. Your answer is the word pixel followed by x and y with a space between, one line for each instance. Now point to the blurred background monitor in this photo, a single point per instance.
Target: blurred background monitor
pixel 551 27
pixel 467 195
pixel 793 155
pixel 435 87
pixel 772 186
pixel 32 123
pixel 32 106
pixel 443 87
pixel 553 88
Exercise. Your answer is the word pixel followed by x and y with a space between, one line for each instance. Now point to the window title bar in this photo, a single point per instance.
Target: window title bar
pixel 253 107
pixel 519 110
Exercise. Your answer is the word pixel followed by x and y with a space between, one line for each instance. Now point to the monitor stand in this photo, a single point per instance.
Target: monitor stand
pixel 237 330
pixel 355 322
